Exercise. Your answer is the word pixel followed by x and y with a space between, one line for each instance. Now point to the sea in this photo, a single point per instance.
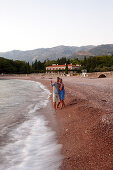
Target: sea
pixel 27 141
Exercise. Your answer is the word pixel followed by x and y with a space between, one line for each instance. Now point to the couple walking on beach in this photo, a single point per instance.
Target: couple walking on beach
pixel 58 93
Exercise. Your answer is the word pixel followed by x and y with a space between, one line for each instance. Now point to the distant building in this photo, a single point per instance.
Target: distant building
pixel 58 68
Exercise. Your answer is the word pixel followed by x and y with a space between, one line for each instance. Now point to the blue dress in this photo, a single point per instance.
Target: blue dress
pixel 62 93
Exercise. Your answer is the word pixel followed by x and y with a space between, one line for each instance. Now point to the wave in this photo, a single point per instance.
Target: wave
pixel 33 144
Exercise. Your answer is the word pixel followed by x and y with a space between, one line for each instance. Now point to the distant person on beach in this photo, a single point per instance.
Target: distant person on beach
pixel 62 93
pixel 56 93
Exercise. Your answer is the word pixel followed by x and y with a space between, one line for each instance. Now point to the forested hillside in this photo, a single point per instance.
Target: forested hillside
pixel 10 66
pixel 92 64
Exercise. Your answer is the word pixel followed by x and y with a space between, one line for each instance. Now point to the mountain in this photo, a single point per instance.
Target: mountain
pixel 99 50
pixel 58 52
pixel 81 55
pixel 106 49
pixel 44 53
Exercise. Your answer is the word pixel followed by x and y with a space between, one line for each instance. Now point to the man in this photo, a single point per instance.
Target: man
pixel 56 93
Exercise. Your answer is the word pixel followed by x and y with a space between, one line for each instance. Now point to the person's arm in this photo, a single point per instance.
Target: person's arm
pixel 52 84
pixel 58 85
pixel 61 87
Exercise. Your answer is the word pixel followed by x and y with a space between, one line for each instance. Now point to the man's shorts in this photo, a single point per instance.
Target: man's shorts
pixel 56 98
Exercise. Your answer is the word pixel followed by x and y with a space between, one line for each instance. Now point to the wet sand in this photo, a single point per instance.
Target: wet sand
pixel 85 124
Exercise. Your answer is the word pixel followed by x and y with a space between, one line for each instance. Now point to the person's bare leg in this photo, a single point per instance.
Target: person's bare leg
pixel 61 103
pixel 58 105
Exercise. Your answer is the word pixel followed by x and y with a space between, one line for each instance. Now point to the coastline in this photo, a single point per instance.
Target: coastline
pixel 84 125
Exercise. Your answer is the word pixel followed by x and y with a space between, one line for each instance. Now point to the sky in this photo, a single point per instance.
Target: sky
pixel 32 24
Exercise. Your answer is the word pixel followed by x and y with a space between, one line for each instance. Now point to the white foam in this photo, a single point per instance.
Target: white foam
pixel 34 147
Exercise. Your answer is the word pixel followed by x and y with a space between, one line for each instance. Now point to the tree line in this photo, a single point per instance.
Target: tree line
pixel 91 64
pixel 16 67
pixel 98 64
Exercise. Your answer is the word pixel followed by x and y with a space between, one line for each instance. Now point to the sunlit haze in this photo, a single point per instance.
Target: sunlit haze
pixel 31 24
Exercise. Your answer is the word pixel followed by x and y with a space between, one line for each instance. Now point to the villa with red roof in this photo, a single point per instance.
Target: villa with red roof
pixel 55 68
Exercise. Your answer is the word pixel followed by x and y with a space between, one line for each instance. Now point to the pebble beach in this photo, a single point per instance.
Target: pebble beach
pixel 85 124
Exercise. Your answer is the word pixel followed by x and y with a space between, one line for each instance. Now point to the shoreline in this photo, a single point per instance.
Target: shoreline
pixel 32 131
pixel 85 126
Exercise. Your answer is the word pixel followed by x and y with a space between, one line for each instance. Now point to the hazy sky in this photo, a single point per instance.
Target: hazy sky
pixel 30 24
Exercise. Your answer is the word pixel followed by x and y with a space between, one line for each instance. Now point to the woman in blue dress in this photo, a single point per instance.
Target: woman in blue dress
pixel 62 93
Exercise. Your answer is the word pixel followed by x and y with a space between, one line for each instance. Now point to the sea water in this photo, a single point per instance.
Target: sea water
pixel 26 140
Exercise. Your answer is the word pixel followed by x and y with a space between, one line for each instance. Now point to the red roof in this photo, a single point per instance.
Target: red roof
pixel 63 65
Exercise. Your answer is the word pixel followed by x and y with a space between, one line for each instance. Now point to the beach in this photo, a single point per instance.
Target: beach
pixel 85 124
